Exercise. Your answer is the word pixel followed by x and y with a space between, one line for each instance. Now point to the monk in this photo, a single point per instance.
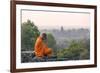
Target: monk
pixel 41 48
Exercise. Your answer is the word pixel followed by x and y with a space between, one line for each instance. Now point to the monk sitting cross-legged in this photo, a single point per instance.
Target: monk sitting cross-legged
pixel 41 48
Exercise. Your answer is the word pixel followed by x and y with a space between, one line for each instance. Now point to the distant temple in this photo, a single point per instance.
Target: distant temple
pixel 62 29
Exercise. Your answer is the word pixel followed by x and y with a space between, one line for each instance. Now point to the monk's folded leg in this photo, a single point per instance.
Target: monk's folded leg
pixel 48 51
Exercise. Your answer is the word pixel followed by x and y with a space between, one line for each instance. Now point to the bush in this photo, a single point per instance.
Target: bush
pixel 77 50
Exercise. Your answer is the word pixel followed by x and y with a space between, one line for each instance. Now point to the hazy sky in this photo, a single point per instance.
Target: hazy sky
pixel 54 20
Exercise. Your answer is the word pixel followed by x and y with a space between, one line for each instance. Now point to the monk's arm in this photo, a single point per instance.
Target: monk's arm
pixel 38 43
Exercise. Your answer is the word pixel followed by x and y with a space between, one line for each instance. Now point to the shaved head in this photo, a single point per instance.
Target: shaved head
pixel 44 36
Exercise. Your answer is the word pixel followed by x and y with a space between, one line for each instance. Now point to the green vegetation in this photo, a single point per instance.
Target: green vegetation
pixel 29 33
pixel 52 43
pixel 76 51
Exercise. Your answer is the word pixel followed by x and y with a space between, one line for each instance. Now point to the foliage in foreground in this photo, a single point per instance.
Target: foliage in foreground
pixel 77 50
pixel 29 33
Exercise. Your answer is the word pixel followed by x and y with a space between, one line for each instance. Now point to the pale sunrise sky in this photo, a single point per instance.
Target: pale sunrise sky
pixel 54 20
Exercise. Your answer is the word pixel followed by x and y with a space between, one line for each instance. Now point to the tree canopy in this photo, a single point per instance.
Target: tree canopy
pixel 77 50
pixel 52 42
pixel 29 33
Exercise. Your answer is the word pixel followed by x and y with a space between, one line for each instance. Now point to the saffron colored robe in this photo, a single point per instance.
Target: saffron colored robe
pixel 41 48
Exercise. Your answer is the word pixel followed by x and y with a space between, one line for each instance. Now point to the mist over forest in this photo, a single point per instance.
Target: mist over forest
pixel 63 37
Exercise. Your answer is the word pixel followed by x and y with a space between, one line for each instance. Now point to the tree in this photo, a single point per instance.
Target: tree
pixel 86 52
pixel 29 33
pixel 77 50
pixel 52 42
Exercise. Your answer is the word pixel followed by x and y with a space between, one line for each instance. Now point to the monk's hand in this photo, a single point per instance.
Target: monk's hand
pixel 33 51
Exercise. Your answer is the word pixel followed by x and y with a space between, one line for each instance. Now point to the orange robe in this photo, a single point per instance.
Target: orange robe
pixel 41 48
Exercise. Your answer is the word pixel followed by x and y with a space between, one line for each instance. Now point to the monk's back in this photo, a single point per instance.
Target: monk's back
pixel 39 47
